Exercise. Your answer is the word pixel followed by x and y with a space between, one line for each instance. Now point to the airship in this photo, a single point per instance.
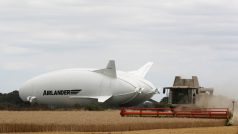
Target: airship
pixel 85 86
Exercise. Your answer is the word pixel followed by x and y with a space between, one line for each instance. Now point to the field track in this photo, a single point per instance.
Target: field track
pixel 92 121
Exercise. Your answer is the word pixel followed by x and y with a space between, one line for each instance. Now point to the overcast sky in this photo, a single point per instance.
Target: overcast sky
pixel 181 37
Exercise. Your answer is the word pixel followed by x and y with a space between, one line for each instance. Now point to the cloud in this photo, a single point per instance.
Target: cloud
pixel 16 66
pixel 195 37
pixel 13 50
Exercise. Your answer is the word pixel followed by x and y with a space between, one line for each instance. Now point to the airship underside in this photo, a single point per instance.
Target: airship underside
pixel 90 86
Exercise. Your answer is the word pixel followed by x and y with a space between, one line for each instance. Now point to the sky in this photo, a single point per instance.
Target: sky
pixel 181 37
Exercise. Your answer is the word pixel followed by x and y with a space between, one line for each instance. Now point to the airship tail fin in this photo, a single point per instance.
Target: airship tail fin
pixel 110 70
pixel 143 70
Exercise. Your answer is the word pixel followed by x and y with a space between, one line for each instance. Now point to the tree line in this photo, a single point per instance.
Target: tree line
pixel 11 100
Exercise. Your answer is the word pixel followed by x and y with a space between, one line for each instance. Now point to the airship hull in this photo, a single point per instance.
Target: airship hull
pixel 85 87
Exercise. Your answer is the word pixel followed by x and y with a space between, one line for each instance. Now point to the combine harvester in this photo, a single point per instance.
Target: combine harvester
pixel 183 96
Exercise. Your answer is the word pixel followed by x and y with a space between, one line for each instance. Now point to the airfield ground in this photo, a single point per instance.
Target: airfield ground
pixel 103 121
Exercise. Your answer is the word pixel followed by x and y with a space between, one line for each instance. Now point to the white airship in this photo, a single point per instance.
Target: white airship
pixel 90 86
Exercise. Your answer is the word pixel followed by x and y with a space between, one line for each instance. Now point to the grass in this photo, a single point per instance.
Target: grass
pixel 91 121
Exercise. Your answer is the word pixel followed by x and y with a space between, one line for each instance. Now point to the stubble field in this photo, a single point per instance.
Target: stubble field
pixel 92 121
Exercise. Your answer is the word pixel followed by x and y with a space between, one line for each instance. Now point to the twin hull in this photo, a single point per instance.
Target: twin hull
pixel 84 87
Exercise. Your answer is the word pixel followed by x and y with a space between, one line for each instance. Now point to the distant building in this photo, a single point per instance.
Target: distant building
pixel 185 91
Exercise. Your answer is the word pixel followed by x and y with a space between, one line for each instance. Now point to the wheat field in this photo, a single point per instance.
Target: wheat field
pixel 203 130
pixel 92 121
